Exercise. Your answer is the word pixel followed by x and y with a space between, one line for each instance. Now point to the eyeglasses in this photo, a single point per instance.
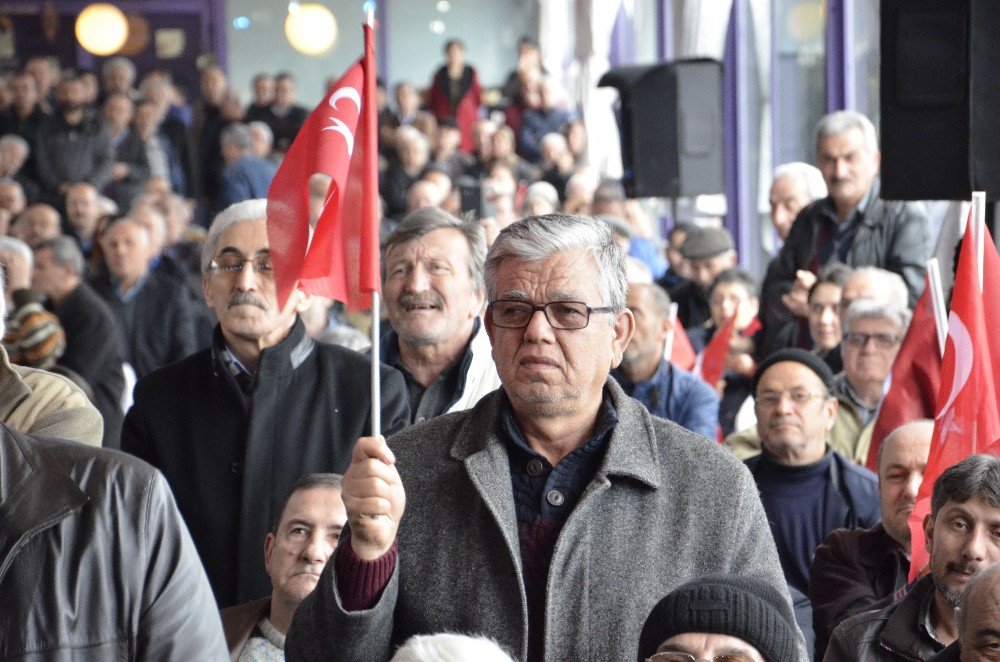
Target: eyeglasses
pixel 882 340
pixel 770 399
pixel 232 264
pixel 686 657
pixel 514 314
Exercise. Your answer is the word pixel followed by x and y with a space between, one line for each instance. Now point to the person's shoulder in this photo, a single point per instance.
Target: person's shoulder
pixel 197 365
pixel 854 472
pixel 688 383
pixel 92 469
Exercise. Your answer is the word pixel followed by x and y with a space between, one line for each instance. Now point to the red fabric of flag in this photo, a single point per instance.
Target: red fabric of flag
pixel 916 377
pixel 713 357
pixel 681 352
pixel 338 140
pixel 967 420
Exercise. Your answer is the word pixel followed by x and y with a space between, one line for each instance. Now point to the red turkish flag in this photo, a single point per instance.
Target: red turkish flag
pixel 713 357
pixel 681 352
pixel 339 140
pixel 916 377
pixel 967 420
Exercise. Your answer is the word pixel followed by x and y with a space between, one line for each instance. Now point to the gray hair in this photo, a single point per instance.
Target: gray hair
pixel 975 476
pixel 407 134
pixel 555 139
pixel 843 121
pixel 810 174
pixel 308 482
pixel 237 135
pixel 14 139
pixel 118 63
pixel 424 221
pixel 17 246
pixel 257 125
pixel 536 238
pixel 447 647
pixel 248 210
pixel 890 283
pixel 543 190
pixel 864 309
pixel 65 253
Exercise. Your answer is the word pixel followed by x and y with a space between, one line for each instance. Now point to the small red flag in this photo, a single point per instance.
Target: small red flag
pixel 681 352
pixel 338 139
pixel 713 357
pixel 967 420
pixel 916 377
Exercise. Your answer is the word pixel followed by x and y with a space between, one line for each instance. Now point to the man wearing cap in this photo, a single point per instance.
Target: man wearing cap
pixel 720 617
pixel 807 489
pixel 709 252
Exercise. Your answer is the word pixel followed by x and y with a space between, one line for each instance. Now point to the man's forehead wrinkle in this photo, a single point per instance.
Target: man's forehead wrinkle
pixel 233 249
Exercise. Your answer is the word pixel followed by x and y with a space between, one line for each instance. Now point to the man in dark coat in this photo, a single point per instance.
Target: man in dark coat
pixel 153 312
pixel 93 345
pixel 234 426
pixel 854 571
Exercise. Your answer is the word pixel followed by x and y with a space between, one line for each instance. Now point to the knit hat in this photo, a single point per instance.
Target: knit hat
pixel 808 359
pixel 702 243
pixel 747 608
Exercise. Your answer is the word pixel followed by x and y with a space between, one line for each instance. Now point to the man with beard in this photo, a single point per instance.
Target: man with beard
pixel 73 145
pixel 432 278
pixel 234 426
pixel 963 538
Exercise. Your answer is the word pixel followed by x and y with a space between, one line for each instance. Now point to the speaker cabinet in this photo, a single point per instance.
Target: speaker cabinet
pixel 940 99
pixel 670 125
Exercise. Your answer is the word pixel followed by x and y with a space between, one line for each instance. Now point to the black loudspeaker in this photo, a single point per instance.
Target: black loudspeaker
pixel 670 126
pixel 940 99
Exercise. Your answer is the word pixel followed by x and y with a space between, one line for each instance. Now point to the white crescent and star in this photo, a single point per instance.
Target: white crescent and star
pixel 344 93
pixel 964 358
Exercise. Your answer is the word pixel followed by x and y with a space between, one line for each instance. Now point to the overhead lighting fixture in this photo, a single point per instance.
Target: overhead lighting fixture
pixel 101 28
pixel 311 29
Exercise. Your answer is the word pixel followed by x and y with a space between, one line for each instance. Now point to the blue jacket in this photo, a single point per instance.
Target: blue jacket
pixel 677 396
pixel 246 179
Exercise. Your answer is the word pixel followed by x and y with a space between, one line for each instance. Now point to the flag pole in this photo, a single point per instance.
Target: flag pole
pixel 668 347
pixel 978 230
pixel 937 302
pixel 376 380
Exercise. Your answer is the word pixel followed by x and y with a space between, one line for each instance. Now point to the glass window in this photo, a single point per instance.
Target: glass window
pixel 865 32
pixel 799 75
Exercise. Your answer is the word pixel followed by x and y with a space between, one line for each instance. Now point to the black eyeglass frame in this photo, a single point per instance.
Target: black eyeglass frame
pixel 545 311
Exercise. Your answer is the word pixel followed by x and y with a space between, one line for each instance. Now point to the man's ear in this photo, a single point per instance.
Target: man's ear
pixel 302 300
pixel 624 330
pixel 268 551
pixel 928 532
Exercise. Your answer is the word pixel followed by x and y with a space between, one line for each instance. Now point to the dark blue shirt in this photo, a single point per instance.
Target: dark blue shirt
pixel 794 500
pixel 544 497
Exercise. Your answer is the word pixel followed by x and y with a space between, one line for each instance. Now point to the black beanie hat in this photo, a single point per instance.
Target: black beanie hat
pixel 743 607
pixel 808 359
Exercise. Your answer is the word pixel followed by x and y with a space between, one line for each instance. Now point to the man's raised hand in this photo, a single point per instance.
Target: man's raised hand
pixel 374 497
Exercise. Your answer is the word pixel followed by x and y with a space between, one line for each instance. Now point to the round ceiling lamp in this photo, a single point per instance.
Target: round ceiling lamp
pixel 101 28
pixel 311 28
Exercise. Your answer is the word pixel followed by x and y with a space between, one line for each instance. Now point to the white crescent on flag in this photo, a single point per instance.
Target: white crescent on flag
pixel 962 341
pixel 345 93
pixel 342 129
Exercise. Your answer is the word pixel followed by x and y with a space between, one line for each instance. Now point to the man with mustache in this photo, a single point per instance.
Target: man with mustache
pixel 963 538
pixel 807 489
pixel 432 279
pixel 295 551
pixel 234 426
pixel 854 571
pixel 851 225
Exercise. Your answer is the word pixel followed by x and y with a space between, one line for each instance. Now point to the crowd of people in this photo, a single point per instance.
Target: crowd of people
pixel 556 479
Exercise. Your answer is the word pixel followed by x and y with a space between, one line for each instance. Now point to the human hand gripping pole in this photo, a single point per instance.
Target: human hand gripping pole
pixel 374 498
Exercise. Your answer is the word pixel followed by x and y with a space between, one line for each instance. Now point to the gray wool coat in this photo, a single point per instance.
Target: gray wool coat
pixel 665 506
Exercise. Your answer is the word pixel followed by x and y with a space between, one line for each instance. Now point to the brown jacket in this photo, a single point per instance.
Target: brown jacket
pixel 45 404
pixel 239 621
pixel 853 571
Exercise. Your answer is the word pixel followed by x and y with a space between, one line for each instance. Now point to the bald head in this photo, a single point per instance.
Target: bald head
pixel 38 222
pixel 979 615
pixel 902 459
pixel 874 284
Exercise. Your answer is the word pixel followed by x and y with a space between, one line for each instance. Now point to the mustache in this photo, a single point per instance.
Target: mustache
pixel 246 299
pixel 408 300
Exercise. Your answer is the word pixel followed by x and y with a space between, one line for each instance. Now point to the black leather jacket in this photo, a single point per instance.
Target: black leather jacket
pixel 95 563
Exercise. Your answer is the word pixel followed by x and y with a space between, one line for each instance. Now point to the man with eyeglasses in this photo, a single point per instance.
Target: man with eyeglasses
pixel 722 618
pixel 234 426
pixel 807 489
pixel 555 513
pixel 872 333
